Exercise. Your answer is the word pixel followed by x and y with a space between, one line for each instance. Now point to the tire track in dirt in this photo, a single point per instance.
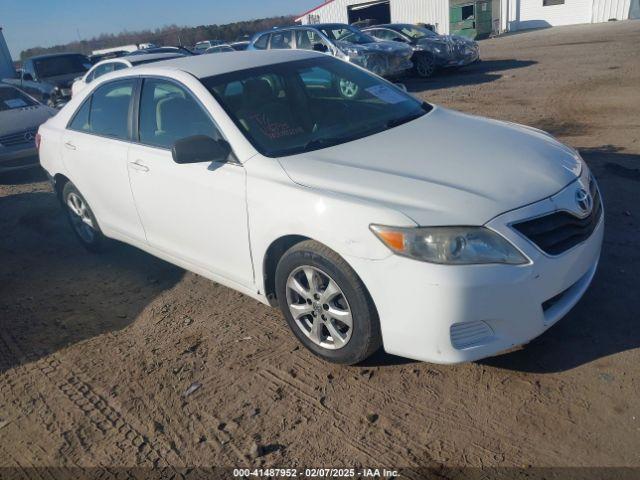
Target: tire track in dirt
pixel 408 404
pixel 276 378
pixel 109 421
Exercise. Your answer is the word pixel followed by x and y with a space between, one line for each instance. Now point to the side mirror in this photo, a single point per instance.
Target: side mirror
pixel 200 148
pixel 320 47
pixel 27 77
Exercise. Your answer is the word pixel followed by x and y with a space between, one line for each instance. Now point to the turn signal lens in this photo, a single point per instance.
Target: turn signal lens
pixel 393 240
pixel 38 138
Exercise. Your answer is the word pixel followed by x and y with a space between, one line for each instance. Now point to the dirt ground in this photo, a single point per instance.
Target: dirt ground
pixel 123 360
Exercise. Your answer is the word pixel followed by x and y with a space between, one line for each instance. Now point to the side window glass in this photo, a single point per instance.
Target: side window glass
pixel 168 113
pixel 80 120
pixel 108 114
pixel 281 40
pixel 119 66
pixel 102 70
pixel 261 42
pixel 303 40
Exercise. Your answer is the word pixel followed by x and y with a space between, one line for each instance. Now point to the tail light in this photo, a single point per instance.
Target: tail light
pixel 38 139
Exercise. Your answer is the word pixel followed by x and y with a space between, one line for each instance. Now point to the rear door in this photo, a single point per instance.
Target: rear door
pixel 196 212
pixel 95 147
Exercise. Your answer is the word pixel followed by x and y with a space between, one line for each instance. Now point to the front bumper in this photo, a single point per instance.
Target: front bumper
pixel 12 159
pixel 460 60
pixel 452 314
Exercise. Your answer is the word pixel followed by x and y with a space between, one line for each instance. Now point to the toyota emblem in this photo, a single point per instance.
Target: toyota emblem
pixel 584 200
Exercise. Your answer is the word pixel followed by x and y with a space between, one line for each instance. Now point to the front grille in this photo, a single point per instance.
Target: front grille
pixel 20 138
pixel 559 231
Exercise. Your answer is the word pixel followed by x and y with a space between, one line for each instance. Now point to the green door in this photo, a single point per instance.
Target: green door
pixel 483 18
pixel 462 20
pixel 470 19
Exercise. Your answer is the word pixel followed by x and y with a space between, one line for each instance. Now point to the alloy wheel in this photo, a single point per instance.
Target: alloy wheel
pixel 425 67
pixel 319 307
pixel 80 217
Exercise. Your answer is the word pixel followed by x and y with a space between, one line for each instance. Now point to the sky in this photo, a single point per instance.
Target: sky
pixel 31 23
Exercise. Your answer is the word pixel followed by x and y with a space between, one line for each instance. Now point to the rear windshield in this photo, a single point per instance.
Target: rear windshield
pixel 11 98
pixel 61 65
pixel 306 105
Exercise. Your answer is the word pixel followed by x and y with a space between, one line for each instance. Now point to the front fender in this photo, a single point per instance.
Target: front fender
pixel 278 207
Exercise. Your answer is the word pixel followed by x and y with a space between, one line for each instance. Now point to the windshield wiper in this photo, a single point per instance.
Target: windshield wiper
pixel 395 122
pixel 317 143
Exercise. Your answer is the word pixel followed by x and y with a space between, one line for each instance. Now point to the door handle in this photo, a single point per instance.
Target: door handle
pixel 139 166
pixel 70 146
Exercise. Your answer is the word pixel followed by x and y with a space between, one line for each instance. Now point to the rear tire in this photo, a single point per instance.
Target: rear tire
pixel 326 305
pixel 82 220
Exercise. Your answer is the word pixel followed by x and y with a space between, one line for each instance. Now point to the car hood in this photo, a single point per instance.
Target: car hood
pixel 445 168
pixel 21 119
pixel 63 81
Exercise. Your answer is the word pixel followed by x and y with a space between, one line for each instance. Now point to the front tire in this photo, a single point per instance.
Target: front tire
pixel 326 304
pixel 82 220
pixel 425 66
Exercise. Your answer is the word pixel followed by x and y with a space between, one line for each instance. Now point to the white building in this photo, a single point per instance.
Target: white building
pixel 483 16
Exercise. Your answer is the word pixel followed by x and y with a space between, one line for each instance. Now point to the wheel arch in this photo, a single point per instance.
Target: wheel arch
pixel 272 256
pixel 59 181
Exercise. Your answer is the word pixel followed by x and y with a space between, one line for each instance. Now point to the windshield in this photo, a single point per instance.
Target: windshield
pixel 346 33
pixel 61 65
pixel 306 105
pixel 416 33
pixel 11 98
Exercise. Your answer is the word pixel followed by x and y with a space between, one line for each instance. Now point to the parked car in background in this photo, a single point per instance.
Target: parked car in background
pixel 106 56
pixel 202 47
pixel 20 117
pixel 220 49
pixel 240 45
pixel 108 66
pixel 167 49
pixel 365 219
pixel 431 51
pixel 48 78
pixel 343 41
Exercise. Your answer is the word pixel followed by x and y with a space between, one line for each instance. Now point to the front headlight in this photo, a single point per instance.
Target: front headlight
pixel 450 245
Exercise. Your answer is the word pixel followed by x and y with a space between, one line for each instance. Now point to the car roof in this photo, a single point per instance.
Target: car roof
pixel 202 66
pixel 53 55
pixel 148 57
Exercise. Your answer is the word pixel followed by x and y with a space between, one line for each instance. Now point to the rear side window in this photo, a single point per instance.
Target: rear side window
pixel 168 113
pixel 261 42
pixel 102 70
pixel 106 112
pixel 281 40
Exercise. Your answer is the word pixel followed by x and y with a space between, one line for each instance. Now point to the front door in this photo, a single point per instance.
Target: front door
pixel 194 212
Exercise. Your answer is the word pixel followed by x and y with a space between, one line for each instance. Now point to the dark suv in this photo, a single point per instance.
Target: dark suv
pixel 48 78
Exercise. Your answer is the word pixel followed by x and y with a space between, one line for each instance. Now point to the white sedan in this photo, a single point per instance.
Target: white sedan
pixel 374 220
pixel 115 64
